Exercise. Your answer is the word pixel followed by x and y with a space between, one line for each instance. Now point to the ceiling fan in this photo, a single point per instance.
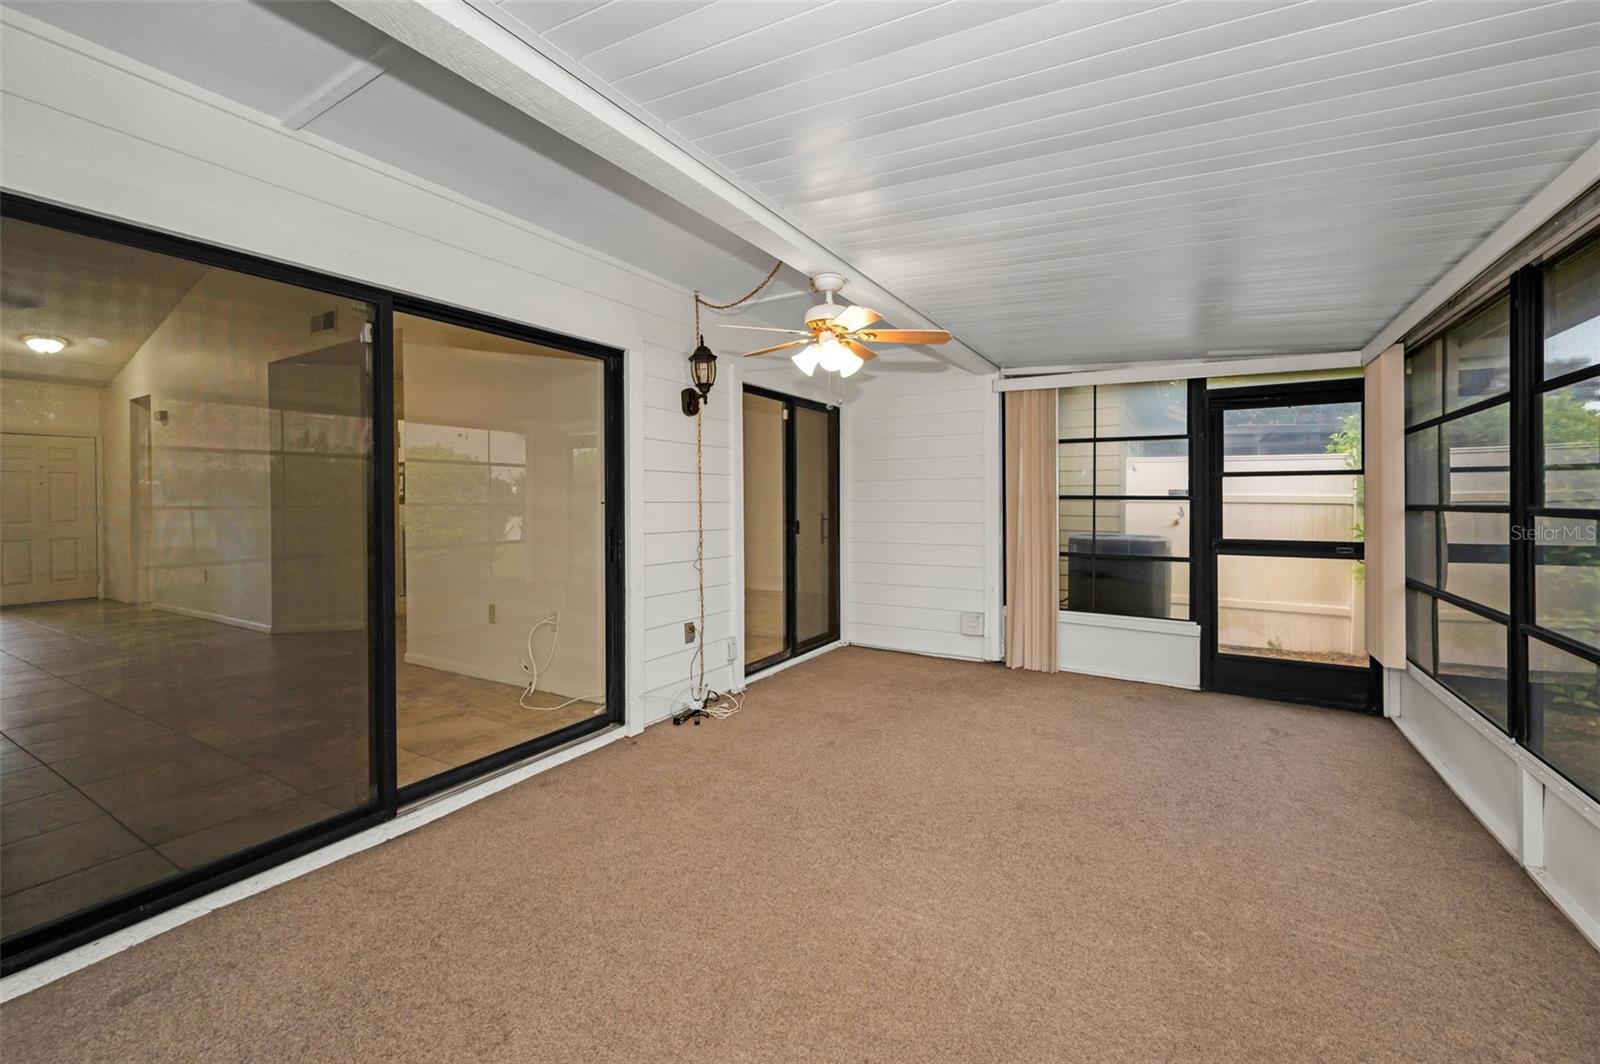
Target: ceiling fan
pixel 835 337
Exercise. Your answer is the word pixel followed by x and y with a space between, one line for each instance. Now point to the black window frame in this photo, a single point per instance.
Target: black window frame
pixel 1093 496
pixel 52 938
pixel 1526 497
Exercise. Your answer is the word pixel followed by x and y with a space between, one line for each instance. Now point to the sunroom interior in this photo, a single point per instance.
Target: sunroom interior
pixel 1138 598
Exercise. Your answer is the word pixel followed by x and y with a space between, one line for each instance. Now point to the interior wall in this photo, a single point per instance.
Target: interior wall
pixel 556 563
pixel 923 529
pixel 90 129
pixel 45 408
pixel 212 450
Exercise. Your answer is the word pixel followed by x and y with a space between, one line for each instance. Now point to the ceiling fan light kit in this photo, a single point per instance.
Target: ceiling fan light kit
pixel 832 338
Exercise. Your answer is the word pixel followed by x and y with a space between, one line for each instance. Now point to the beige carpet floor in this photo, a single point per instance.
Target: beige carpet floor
pixel 891 858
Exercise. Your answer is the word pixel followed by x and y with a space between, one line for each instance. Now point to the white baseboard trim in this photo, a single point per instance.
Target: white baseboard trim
pixel 1587 925
pixel 773 670
pixel 1552 780
pixel 220 618
pixel 308 629
pixel 467 668
pixel 1547 783
pixel 902 650
pixel 1457 786
pixel 45 972
pixel 1110 675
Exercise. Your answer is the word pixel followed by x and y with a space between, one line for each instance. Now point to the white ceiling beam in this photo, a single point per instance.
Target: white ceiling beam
pixel 1567 186
pixel 1138 372
pixel 461 39
pixel 355 77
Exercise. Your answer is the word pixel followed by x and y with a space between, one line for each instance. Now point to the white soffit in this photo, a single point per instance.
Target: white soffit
pixel 457 36
pixel 312 66
pixel 1092 181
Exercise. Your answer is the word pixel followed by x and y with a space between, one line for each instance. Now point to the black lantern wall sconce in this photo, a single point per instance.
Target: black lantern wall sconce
pixel 703 371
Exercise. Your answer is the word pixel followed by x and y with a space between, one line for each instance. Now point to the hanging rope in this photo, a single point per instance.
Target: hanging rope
pixel 747 297
pixel 698 689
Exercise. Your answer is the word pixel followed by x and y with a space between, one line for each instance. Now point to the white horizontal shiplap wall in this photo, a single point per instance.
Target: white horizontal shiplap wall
pixel 923 514
pixel 87 128
pixel 671 595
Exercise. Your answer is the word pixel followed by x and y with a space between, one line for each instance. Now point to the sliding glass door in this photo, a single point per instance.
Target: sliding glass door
pixel 500 532
pixel 274 561
pixel 791 541
pixel 190 606
pixel 1285 545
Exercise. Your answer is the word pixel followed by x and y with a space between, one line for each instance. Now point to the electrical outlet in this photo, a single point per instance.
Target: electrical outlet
pixel 205 576
pixel 972 623
pixel 688 631
pixel 492 614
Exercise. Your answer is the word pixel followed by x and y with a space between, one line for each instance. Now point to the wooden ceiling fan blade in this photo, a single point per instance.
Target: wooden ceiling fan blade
pixel 779 347
pixel 852 318
pixel 764 328
pixel 905 336
pixel 860 350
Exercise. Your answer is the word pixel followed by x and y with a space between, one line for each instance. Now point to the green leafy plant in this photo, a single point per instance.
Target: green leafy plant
pixel 1347 441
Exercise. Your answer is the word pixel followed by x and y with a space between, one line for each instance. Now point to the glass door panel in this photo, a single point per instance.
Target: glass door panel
pixel 1286 536
pixel 816 489
pixel 500 526
pixel 1293 609
pixel 188 622
pixel 766 591
pixel 1290 438
pixel 791 535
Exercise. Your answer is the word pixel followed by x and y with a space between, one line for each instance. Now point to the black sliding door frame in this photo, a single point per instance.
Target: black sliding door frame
pixel 1315 683
pixel 50 939
pixel 611 359
pixel 793 645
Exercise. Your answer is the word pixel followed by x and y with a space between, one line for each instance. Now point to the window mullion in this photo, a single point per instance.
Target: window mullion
pixel 1526 343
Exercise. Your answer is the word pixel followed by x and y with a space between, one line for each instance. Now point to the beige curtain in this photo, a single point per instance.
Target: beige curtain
pixel 1032 597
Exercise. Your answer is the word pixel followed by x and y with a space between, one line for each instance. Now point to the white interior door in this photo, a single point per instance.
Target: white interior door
pixel 47 519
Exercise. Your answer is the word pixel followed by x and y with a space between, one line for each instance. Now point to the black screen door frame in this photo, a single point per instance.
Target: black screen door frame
pixel 1285 680
pixel 793 645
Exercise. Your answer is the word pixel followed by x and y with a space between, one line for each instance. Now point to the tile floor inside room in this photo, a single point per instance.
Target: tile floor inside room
pixel 445 719
pixel 137 742
pixel 763 624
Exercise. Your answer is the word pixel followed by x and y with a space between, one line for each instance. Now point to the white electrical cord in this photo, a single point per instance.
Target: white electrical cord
pixel 532 668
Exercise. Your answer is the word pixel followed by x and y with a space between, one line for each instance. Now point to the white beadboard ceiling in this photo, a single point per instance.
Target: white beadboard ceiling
pixel 315 67
pixel 1101 181
pixel 1080 182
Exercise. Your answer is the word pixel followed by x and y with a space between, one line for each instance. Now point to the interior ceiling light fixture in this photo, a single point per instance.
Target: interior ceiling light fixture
pixel 835 335
pixel 45 345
